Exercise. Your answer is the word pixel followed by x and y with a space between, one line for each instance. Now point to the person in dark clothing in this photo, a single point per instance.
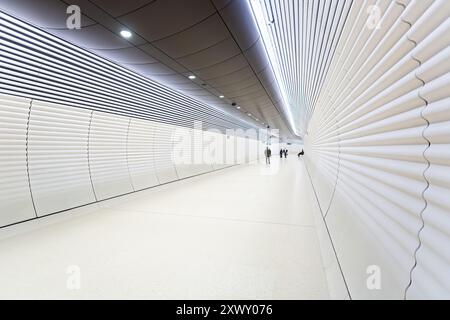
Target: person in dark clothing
pixel 286 153
pixel 268 154
pixel 302 153
pixel 281 153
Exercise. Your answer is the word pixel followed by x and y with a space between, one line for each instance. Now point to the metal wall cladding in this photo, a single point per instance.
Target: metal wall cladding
pixel 108 155
pixel 76 128
pixel 56 157
pixel 141 161
pixel 377 149
pixel 38 65
pixel 15 198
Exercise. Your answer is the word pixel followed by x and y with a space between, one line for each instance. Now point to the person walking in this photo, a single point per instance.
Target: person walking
pixel 281 153
pixel 285 153
pixel 268 154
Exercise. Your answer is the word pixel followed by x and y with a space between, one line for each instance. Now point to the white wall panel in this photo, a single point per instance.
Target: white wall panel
pixel 240 147
pixel 431 279
pixel 199 147
pixel 380 120
pixel 15 198
pixel 216 149
pixel 230 149
pixel 108 155
pixel 95 130
pixel 163 153
pixel 58 157
pixel 140 151
pixel 188 152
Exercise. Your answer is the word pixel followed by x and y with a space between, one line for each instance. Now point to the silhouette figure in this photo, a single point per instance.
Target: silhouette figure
pixel 268 154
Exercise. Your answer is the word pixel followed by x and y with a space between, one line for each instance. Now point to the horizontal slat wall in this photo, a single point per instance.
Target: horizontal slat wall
pixel 108 155
pixel 15 197
pixel 163 153
pixel 141 162
pixel 58 157
pixel 68 157
pixel 77 128
pixel 38 65
pixel 188 153
pixel 378 122
pixel 215 154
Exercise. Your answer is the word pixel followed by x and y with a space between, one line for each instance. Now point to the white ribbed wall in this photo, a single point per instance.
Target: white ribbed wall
pixel 378 151
pixel 55 157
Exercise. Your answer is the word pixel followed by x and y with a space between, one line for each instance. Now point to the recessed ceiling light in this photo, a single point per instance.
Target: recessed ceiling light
pixel 192 77
pixel 238 107
pixel 221 97
pixel 249 114
pixel 126 34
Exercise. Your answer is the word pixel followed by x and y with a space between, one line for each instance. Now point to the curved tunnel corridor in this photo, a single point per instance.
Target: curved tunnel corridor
pixel 136 136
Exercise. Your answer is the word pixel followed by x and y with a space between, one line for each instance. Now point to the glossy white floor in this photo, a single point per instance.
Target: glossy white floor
pixel 240 233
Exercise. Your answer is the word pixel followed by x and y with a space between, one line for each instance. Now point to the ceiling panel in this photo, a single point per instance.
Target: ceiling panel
pixel 155 21
pixel 243 83
pixel 231 65
pixel 257 56
pixel 241 89
pixel 93 37
pixel 132 55
pixel 232 77
pixel 220 4
pixel 242 28
pixel 211 56
pixel 196 38
pixel 119 8
pixel 154 69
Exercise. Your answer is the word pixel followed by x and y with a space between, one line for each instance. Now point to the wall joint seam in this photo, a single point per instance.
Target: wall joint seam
pixel 329 234
pixel 338 171
pixel 27 157
pixel 88 155
pixel 126 155
pixel 173 148
pixel 428 165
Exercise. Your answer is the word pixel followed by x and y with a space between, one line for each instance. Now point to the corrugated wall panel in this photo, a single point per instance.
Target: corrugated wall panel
pixel 431 279
pixel 38 65
pixel 188 153
pixel 216 143
pixel 370 142
pixel 140 153
pixel 57 154
pixel 108 155
pixel 15 198
pixel 94 130
pixel 163 153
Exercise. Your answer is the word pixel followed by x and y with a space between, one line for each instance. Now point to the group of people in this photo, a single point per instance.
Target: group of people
pixel 284 152
pixel 268 154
